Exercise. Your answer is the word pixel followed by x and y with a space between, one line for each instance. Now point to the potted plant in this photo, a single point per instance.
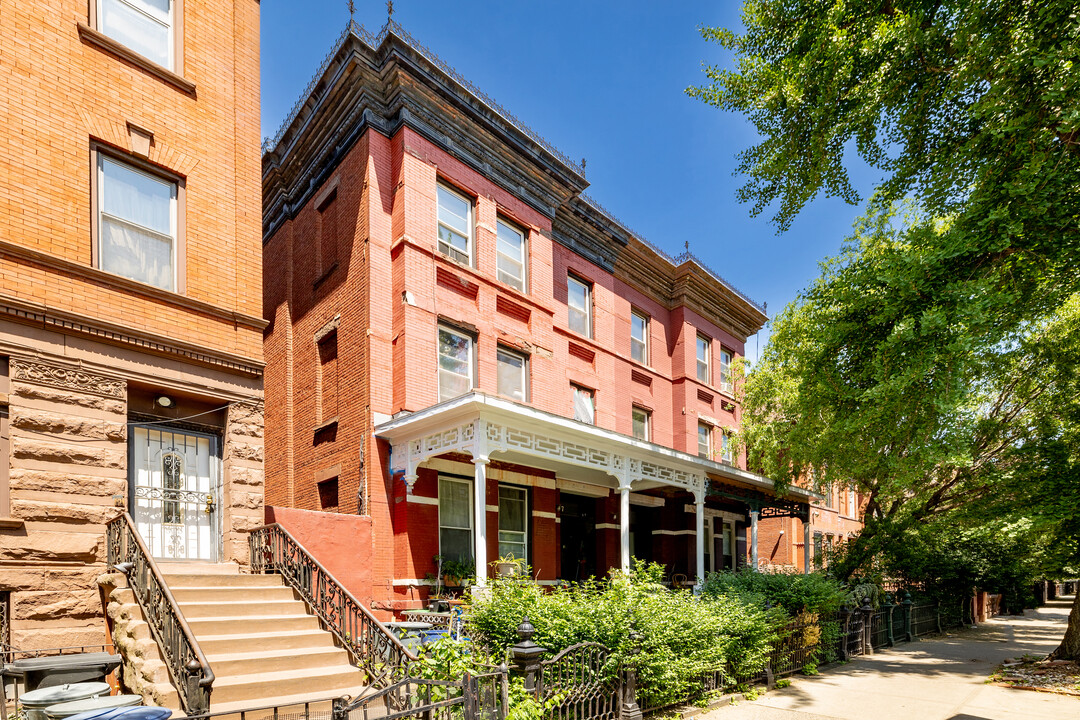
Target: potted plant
pixel 508 565
pixel 456 572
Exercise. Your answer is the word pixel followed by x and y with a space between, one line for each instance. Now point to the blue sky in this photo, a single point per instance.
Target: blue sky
pixel 602 81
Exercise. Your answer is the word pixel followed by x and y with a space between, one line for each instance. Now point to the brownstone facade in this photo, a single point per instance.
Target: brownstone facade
pixel 130 281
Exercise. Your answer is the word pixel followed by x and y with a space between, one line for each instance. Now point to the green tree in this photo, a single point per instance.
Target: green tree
pixel 909 368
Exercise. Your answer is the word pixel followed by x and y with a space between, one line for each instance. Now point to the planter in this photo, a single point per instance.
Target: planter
pixel 507 569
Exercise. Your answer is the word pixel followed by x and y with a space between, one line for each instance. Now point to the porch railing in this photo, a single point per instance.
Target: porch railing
pixel 188 669
pixel 373 648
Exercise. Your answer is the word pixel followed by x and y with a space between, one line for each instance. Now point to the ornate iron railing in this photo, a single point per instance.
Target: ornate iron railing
pixel 188 668
pixel 580 683
pixel 373 648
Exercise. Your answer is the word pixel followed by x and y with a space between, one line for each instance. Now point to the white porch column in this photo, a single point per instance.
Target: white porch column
pixel 806 544
pixel 480 464
pixel 753 538
pixel 624 528
pixel 699 532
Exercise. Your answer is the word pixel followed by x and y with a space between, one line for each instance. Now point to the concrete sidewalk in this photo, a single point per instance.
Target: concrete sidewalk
pixel 935 679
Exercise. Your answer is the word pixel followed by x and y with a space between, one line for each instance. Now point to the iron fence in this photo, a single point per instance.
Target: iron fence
pixel 879 628
pixel 924 619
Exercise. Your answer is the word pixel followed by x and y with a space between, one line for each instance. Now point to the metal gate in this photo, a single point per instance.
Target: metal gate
pixel 175 481
pixel 580 683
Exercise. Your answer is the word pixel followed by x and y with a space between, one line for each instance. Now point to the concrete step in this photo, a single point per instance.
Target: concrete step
pixel 285 640
pixel 187 580
pixel 251 625
pixel 232 594
pixel 291 705
pixel 257 690
pixel 272 659
pixel 247 608
pixel 174 567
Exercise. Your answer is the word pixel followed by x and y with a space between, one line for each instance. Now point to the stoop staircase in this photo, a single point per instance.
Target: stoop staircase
pixel 256 633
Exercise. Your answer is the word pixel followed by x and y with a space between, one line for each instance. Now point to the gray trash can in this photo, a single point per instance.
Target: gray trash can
pixel 35 701
pixel 52 670
pixel 77 707
pixel 126 713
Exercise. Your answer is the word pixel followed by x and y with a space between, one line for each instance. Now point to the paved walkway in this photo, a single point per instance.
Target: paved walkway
pixel 935 679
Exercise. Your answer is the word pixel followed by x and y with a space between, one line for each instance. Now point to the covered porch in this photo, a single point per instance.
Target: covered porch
pixel 486 477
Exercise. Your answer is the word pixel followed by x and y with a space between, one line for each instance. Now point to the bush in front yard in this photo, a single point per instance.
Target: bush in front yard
pixel 815 593
pixel 680 637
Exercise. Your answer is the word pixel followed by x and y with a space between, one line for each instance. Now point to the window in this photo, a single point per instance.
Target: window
pixel 725 369
pixel 726 452
pixel 328 377
pixel 579 300
pixel 328 494
pixel 584 405
pixel 145 26
pixel 510 255
pixel 456 363
pixel 513 374
pixel 641 419
pixel 455 519
pixel 704 347
pixel 851 502
pixel 455 225
pixel 513 522
pixel 704 440
pixel 639 337
pixel 136 224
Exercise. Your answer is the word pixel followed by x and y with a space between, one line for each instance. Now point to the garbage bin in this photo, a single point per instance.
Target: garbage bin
pixel 126 713
pixel 53 670
pixel 64 710
pixel 35 701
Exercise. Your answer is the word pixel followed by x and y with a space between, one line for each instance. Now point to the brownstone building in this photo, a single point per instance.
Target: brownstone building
pixel 130 295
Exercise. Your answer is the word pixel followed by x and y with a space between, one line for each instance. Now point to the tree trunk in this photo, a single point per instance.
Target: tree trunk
pixel 1069 649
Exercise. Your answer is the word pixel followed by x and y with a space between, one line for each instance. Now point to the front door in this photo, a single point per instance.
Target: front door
pixel 175 487
pixel 577 530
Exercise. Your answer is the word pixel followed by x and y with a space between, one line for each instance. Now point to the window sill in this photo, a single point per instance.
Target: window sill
pixel 9 523
pixel 331 423
pixel 90 35
pixel 324 277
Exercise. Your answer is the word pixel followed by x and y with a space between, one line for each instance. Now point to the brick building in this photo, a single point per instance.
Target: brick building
pixel 130 313
pixel 835 518
pixel 467 358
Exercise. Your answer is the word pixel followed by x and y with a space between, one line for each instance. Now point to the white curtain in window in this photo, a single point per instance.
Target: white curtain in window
pixel 455 364
pixel 142 25
pixel 138 220
pixel 511 375
pixel 584 409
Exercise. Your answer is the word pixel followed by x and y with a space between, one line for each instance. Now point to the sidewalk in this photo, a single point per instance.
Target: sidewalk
pixel 934 679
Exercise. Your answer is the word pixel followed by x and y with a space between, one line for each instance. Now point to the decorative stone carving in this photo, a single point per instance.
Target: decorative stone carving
pixel 67 378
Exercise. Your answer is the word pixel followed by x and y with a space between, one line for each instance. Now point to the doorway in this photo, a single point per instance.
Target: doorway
pixel 577 528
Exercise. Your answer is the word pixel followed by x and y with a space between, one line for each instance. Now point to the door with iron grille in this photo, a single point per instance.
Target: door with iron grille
pixel 175 487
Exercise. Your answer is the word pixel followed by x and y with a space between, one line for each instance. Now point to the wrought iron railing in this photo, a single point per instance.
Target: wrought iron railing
pixel 581 682
pixel 373 648
pixel 188 668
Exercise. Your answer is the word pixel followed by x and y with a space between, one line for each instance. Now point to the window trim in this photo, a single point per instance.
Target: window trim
pixel 648 422
pixel 527 534
pixel 99 151
pixel 644 341
pixel 440 327
pixel 525 375
pixel 727 453
pixel 708 437
pixel 501 220
pixel 708 359
pixel 470 241
pixel 472 509
pixel 571 277
pixel 725 369
pixel 592 395
pixel 176 38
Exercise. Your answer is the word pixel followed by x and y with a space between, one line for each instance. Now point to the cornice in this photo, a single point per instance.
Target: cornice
pixel 72 324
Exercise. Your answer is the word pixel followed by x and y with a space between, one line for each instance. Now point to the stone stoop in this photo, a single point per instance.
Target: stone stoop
pixel 261 642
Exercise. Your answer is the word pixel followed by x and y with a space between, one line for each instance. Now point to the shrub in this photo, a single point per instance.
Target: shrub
pixel 680 637
pixel 813 593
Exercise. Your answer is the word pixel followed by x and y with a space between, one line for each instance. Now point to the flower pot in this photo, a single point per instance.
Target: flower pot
pixel 507 569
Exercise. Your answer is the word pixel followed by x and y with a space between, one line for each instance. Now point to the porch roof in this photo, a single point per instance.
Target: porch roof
pixel 483 425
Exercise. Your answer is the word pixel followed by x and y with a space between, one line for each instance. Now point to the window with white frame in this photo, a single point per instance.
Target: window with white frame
pixel 145 26
pixel 851 502
pixel 725 370
pixel 513 374
pixel 584 405
pixel 136 223
pixel 455 519
pixel 642 419
pixel 513 522
pixel 639 337
pixel 704 440
pixel 455 225
pixel 457 363
pixel 704 353
pixel 510 255
pixel 727 454
pixel 579 301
